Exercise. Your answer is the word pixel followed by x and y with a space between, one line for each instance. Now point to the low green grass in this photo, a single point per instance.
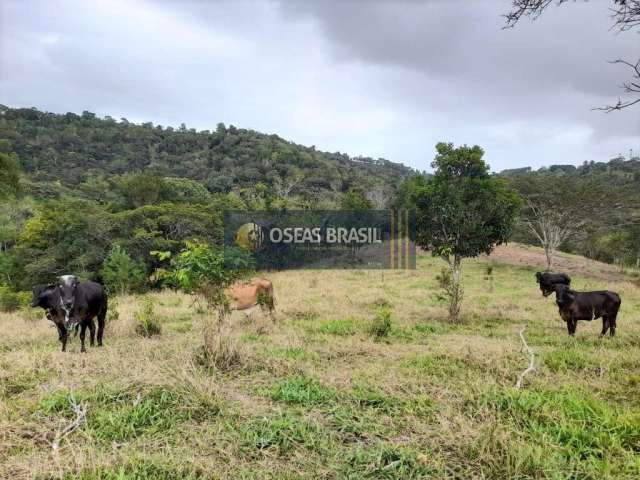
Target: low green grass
pixel 119 415
pixel 319 394
pixel 302 391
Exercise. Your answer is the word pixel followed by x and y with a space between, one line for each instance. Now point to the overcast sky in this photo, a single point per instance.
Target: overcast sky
pixel 382 79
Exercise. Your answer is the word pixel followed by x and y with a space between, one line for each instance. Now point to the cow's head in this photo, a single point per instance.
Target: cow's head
pixel 67 286
pixel 41 295
pixel 546 286
pixel 564 296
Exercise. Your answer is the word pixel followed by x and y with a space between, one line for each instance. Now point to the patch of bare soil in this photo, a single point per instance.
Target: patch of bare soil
pixel 528 256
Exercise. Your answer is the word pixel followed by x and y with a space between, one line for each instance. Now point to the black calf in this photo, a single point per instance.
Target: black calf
pixel 548 281
pixel 574 306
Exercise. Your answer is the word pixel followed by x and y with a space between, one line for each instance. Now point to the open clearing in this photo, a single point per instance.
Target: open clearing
pixel 317 396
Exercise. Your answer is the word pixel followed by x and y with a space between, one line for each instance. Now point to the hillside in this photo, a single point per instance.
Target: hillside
pixel 73 149
pixel 317 396
pixel 598 203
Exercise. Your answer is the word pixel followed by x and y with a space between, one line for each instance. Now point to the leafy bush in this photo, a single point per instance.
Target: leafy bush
pixel 147 322
pixel 381 326
pixel 11 301
pixel 122 274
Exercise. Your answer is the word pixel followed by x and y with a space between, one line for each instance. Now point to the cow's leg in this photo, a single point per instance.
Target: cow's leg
pixel 612 324
pixel 571 325
pixel 62 336
pixel 83 331
pixel 605 325
pixel 92 332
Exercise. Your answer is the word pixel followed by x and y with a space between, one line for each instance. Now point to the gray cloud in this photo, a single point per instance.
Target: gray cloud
pixel 375 78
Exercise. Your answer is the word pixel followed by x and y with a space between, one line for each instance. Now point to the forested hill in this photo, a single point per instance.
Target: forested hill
pixel 73 148
pixel 596 206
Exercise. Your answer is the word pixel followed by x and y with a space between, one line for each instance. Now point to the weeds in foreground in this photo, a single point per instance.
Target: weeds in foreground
pixel 381 326
pixel 147 322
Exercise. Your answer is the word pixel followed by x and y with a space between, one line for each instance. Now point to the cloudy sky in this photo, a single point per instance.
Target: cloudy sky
pixel 383 79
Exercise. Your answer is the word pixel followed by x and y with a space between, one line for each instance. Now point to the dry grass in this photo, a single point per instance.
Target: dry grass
pixel 317 396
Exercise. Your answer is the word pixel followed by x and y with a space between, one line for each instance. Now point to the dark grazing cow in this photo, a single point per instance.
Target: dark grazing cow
pixel 48 298
pixel 81 302
pixel 574 306
pixel 548 281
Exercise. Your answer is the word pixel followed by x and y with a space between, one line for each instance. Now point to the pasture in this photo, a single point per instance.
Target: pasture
pixel 317 395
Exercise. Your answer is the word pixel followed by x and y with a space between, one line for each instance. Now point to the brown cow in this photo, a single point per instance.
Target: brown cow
pixel 245 295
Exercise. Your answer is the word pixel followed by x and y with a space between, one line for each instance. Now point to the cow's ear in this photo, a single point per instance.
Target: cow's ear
pixel 538 277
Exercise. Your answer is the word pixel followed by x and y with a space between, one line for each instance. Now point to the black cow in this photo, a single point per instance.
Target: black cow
pixel 81 302
pixel 548 281
pixel 574 306
pixel 48 298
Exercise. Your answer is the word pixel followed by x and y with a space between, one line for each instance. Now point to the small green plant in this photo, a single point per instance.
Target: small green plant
pixel 381 326
pixel 450 293
pixel 147 322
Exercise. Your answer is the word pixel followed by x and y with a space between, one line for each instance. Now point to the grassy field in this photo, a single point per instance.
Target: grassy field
pixel 317 395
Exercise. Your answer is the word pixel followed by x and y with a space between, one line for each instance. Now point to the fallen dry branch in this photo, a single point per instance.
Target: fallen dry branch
pixel 80 411
pixel 531 366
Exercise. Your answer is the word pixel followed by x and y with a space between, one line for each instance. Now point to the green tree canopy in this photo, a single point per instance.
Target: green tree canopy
pixel 463 211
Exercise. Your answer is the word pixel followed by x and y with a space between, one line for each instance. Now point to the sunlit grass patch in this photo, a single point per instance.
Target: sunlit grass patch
pixel 579 428
pixel 340 327
pixel 138 470
pixel 438 365
pixel 117 415
pixel 296 353
pixel 563 360
pixel 22 381
pixel 385 461
pixel 280 435
pixel 302 391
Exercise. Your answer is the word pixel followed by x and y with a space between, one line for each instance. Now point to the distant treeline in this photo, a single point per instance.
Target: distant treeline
pixel 97 196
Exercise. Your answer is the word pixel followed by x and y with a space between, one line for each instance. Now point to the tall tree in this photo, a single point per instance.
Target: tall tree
pixel 462 211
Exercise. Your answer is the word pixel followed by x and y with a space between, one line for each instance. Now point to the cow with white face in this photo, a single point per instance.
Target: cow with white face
pixel 67 286
pixel 81 302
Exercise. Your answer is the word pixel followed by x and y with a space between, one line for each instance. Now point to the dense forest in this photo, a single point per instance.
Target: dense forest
pixel 96 196
pixel 88 193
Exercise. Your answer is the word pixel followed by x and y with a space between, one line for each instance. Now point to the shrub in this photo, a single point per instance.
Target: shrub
pixel 147 322
pixel 121 273
pixel 450 293
pixel 11 301
pixel 381 326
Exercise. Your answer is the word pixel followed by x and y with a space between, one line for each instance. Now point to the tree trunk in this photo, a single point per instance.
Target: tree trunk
pixel 548 251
